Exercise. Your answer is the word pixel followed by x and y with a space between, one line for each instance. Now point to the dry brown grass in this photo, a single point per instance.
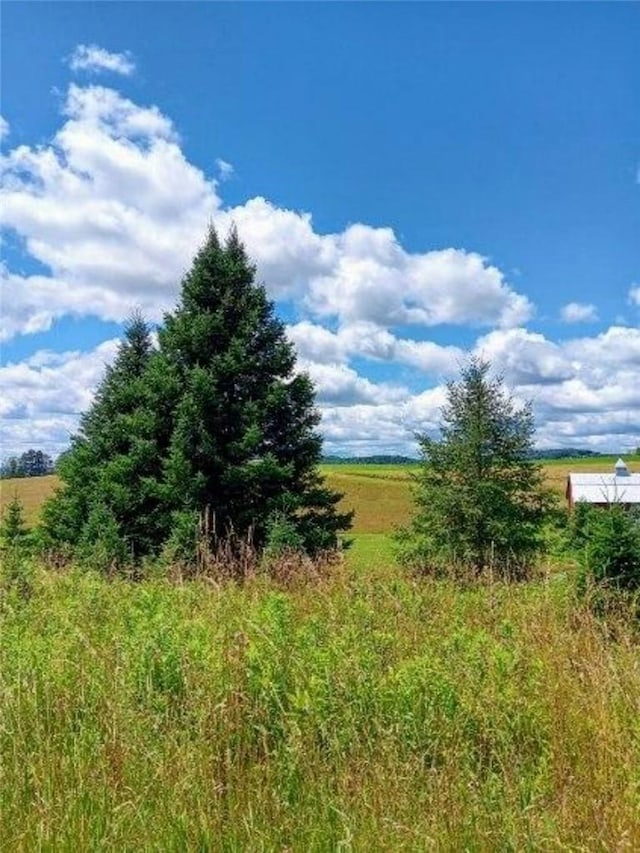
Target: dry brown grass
pixel 31 491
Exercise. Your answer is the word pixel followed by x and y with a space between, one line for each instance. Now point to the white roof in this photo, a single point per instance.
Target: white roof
pixel 605 488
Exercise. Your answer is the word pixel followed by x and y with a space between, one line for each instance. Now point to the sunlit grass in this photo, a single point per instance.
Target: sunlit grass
pixel 367 711
pixel 31 491
pixel 371 711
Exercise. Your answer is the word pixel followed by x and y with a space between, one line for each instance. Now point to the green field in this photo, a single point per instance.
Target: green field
pixel 380 495
pixel 367 712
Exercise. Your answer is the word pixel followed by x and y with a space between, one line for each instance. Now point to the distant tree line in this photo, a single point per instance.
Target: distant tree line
pixel 377 459
pixel 564 453
pixel 31 463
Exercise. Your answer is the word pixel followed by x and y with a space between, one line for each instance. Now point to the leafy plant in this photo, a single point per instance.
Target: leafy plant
pixel 282 536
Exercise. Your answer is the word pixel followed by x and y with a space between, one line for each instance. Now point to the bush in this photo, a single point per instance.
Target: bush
pixel 102 546
pixel 16 572
pixel 282 536
pixel 607 542
pixel 181 548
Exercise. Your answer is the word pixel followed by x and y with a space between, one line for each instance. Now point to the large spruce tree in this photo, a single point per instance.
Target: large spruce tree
pixel 243 441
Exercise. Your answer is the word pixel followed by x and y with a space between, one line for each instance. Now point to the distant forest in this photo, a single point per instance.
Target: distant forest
pixel 384 459
pixel 391 459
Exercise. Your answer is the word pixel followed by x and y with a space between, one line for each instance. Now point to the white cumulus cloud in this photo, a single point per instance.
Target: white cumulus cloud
pixel 579 312
pixel 111 207
pixel 584 391
pixel 43 396
pixel 367 340
pixel 90 57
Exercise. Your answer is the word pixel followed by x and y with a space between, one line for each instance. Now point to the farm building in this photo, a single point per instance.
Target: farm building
pixel 620 486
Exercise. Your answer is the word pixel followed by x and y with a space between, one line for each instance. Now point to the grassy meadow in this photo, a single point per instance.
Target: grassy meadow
pixel 365 711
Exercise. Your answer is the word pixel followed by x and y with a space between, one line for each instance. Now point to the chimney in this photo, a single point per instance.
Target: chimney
pixel 621 469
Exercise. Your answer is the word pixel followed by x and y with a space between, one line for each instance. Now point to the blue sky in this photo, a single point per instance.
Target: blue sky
pixel 415 181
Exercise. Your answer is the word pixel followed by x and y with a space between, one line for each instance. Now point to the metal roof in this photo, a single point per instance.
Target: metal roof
pixel 605 488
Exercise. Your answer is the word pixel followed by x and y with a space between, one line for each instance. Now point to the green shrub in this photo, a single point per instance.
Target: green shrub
pixel 608 546
pixel 182 545
pixel 102 546
pixel 16 573
pixel 282 536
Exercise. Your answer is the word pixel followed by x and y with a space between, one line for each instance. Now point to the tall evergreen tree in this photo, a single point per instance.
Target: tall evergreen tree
pixel 110 475
pixel 479 494
pixel 244 441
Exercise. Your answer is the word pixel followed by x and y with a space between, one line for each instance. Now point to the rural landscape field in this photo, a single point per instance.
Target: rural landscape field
pixel 380 495
pixel 366 710
pixel 320 326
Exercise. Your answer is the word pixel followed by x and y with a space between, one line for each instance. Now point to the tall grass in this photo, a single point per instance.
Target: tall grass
pixel 370 712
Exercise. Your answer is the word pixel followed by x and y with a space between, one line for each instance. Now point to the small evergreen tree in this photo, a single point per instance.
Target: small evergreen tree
pixel 13 529
pixel 244 441
pixel 113 468
pixel 607 544
pixel 16 569
pixel 479 494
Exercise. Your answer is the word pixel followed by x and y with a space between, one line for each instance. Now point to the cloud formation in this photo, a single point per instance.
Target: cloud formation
pixel 114 210
pixel 584 390
pixel 111 207
pixel 90 57
pixel 43 396
pixel 579 312
pixel 110 212
pixel 225 169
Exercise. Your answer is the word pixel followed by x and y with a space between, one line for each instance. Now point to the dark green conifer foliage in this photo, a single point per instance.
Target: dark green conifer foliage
pixel 113 467
pixel 243 442
pixel 13 529
pixel 480 497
